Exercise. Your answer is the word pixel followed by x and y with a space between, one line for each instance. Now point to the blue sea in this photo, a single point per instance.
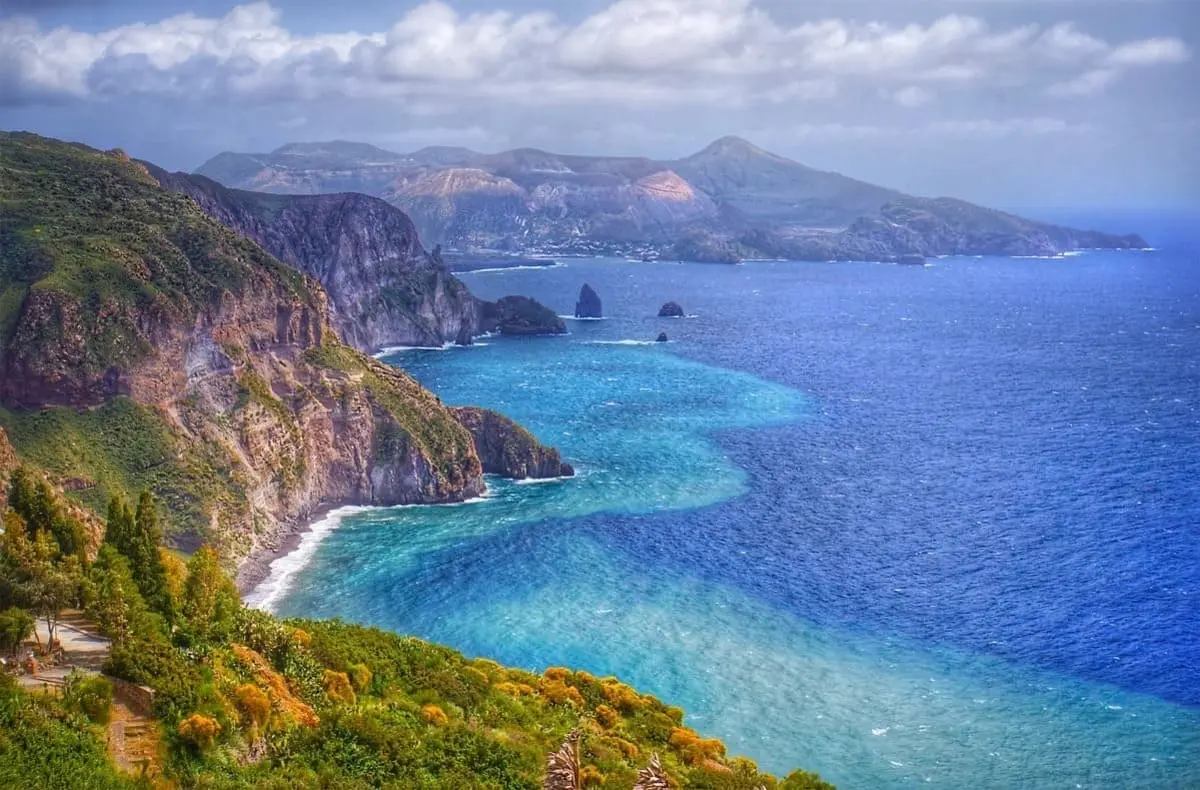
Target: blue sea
pixel 901 526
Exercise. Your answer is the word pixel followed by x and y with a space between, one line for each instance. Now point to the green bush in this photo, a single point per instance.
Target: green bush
pixel 16 625
pixel 91 695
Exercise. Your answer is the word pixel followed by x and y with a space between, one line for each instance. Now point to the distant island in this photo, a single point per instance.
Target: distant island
pixel 728 202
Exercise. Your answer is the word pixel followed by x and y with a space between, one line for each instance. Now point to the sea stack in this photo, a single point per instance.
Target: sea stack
pixel 588 305
pixel 662 337
pixel 671 310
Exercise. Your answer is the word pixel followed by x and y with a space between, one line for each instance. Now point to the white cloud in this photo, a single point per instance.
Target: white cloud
pixel 633 51
pixel 1087 84
pixel 1150 52
pixel 913 96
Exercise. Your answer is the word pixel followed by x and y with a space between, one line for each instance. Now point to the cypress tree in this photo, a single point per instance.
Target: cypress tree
pixel 152 576
pixel 136 537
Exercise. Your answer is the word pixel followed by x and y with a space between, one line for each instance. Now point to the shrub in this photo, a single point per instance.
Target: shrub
pixel 515 689
pixel 199 731
pixel 622 697
pixel 337 687
pixel 693 748
pixel 606 716
pixel 90 695
pixel 803 780
pixel 558 693
pixel 254 705
pixel 16 625
pixel 432 714
pixel 590 775
pixel 360 677
pixel 556 673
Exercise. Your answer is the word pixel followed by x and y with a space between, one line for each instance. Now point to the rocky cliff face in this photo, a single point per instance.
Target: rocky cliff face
pixel 508 450
pixel 145 345
pixel 386 290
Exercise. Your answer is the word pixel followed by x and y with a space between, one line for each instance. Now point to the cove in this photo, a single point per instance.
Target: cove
pixel 735 547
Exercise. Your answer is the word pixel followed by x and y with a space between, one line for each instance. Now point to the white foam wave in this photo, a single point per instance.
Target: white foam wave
pixel 522 267
pixel 393 350
pixel 624 343
pixel 577 318
pixel 879 732
pixel 537 481
pixel 283 570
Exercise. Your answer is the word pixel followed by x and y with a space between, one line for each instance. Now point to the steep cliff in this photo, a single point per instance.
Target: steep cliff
pixel 144 345
pixel 508 450
pixel 385 289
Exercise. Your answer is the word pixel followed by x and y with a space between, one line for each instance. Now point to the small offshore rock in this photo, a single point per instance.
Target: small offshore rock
pixel 588 305
pixel 671 310
pixel 662 337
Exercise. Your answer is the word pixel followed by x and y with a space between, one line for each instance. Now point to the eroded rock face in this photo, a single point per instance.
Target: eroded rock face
pixel 385 289
pixel 671 310
pixel 589 305
pixel 508 450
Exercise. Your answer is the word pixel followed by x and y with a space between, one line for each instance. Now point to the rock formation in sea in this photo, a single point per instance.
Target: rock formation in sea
pixel 201 358
pixel 671 310
pixel 507 449
pixel 662 337
pixel 519 315
pixel 588 305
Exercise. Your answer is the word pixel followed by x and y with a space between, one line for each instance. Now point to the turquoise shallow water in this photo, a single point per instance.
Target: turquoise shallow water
pixel 756 554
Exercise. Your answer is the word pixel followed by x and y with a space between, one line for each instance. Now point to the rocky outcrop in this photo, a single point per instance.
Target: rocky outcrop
pixel 662 338
pixel 508 450
pixel 671 310
pixel 589 305
pixel 175 354
pixel 519 315
pixel 385 289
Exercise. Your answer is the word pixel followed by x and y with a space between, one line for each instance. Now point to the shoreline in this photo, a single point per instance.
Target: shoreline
pixel 255 568
pixel 260 565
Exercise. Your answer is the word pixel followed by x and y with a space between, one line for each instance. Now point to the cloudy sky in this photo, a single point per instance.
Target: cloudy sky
pixel 1016 103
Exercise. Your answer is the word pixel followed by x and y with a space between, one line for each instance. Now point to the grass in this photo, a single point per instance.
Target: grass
pixel 122 448
pixel 94 233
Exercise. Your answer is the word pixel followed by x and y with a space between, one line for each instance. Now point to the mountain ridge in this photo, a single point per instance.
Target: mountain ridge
pixel 746 199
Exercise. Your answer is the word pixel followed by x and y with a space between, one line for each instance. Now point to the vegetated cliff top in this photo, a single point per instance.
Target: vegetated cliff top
pixel 94 255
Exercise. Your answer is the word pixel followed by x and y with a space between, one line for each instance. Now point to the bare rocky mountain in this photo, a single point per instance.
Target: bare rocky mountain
pixel 729 201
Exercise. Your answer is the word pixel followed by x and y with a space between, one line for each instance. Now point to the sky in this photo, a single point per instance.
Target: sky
pixel 1011 103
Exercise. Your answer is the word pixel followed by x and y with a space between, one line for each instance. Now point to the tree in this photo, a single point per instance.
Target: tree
pixel 48 587
pixel 210 601
pixel 136 537
pixel 39 507
pixel 113 598
pixel 16 625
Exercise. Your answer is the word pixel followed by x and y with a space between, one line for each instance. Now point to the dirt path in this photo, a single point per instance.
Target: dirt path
pixel 133 739
pixel 134 743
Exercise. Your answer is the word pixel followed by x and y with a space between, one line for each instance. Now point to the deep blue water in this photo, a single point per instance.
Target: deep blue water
pixel 898 525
